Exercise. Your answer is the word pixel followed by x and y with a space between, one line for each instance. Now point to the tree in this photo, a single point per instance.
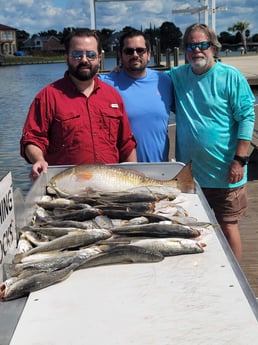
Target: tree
pixel 226 37
pixel 66 32
pixel 48 33
pixel 105 36
pixel 241 27
pixel 170 36
pixel 21 36
pixel 128 28
pixel 152 35
pixel 255 38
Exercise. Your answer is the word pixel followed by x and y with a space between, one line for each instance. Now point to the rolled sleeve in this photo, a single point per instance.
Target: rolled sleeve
pixel 35 130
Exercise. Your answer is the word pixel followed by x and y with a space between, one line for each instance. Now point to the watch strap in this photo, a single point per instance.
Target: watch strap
pixel 241 159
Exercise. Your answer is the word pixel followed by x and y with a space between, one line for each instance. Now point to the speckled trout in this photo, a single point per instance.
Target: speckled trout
pixel 73 239
pixel 171 246
pixel 15 287
pixel 106 178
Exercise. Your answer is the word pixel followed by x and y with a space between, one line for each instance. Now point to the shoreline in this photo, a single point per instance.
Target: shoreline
pixel 247 64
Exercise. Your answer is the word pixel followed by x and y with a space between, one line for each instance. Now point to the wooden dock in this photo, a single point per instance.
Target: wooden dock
pixel 249 227
pixel 247 64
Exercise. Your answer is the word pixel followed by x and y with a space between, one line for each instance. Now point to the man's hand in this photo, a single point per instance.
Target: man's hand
pixel 236 172
pixel 37 169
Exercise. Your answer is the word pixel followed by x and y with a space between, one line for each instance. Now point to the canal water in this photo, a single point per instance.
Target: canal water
pixel 18 86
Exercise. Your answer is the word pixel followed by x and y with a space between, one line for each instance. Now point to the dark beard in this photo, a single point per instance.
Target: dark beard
pixel 136 69
pixel 139 68
pixel 83 75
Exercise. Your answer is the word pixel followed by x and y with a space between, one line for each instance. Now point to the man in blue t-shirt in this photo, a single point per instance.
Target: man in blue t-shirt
pixel 147 95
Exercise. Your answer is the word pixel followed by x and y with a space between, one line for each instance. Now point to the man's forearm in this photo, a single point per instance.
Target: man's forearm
pixel 34 153
pixel 132 157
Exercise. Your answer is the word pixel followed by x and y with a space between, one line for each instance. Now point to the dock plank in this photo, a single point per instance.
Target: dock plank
pixel 249 230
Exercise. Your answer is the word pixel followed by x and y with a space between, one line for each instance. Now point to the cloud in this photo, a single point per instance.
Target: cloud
pixel 35 16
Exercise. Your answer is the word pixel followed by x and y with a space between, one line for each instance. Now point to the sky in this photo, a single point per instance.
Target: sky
pixel 35 16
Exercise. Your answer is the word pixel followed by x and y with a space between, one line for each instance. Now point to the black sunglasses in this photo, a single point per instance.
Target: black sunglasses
pixel 79 54
pixel 201 45
pixel 130 51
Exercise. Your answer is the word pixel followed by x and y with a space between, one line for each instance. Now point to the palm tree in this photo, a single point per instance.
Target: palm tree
pixel 241 28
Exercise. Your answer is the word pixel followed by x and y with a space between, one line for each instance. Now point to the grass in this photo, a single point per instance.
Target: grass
pixel 22 60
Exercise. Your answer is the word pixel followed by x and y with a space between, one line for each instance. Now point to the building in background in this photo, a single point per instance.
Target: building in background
pixel 8 42
pixel 49 44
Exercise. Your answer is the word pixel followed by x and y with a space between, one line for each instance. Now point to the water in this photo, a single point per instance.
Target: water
pixel 18 86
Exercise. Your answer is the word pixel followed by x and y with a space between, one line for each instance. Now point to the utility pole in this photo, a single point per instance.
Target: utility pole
pixel 195 10
pixel 206 9
pixel 92 15
pixel 214 9
pixel 206 12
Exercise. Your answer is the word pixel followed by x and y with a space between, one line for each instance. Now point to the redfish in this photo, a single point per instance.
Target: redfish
pixel 106 178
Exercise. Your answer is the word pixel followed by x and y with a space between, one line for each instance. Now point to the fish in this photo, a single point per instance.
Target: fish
pixel 171 246
pixel 40 213
pixel 162 229
pixel 73 207
pixel 16 287
pixel 55 203
pixel 122 254
pixel 86 224
pixel 52 262
pixel 106 178
pixel 148 207
pixel 103 222
pixel 23 244
pixel 37 238
pixel 86 213
pixel 138 220
pixel 74 239
pixel 125 197
pixel 95 198
pixel 129 214
pixel 49 231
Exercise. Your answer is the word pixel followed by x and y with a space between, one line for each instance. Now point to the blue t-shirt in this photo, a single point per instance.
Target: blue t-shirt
pixel 213 110
pixel 147 101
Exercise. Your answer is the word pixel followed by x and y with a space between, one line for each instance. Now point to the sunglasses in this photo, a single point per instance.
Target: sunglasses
pixel 130 51
pixel 201 45
pixel 79 54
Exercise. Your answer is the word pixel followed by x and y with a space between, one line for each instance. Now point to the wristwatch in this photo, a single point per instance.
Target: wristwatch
pixel 241 159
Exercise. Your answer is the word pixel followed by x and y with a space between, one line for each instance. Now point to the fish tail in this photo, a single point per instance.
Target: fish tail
pixel 185 180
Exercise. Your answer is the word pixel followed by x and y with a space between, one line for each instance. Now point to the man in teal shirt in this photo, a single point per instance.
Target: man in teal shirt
pixel 214 108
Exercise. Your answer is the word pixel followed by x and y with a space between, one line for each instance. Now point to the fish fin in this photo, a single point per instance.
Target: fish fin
pixel 18 257
pixel 185 180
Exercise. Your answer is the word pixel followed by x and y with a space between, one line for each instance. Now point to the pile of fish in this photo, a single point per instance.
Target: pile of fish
pixel 95 215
